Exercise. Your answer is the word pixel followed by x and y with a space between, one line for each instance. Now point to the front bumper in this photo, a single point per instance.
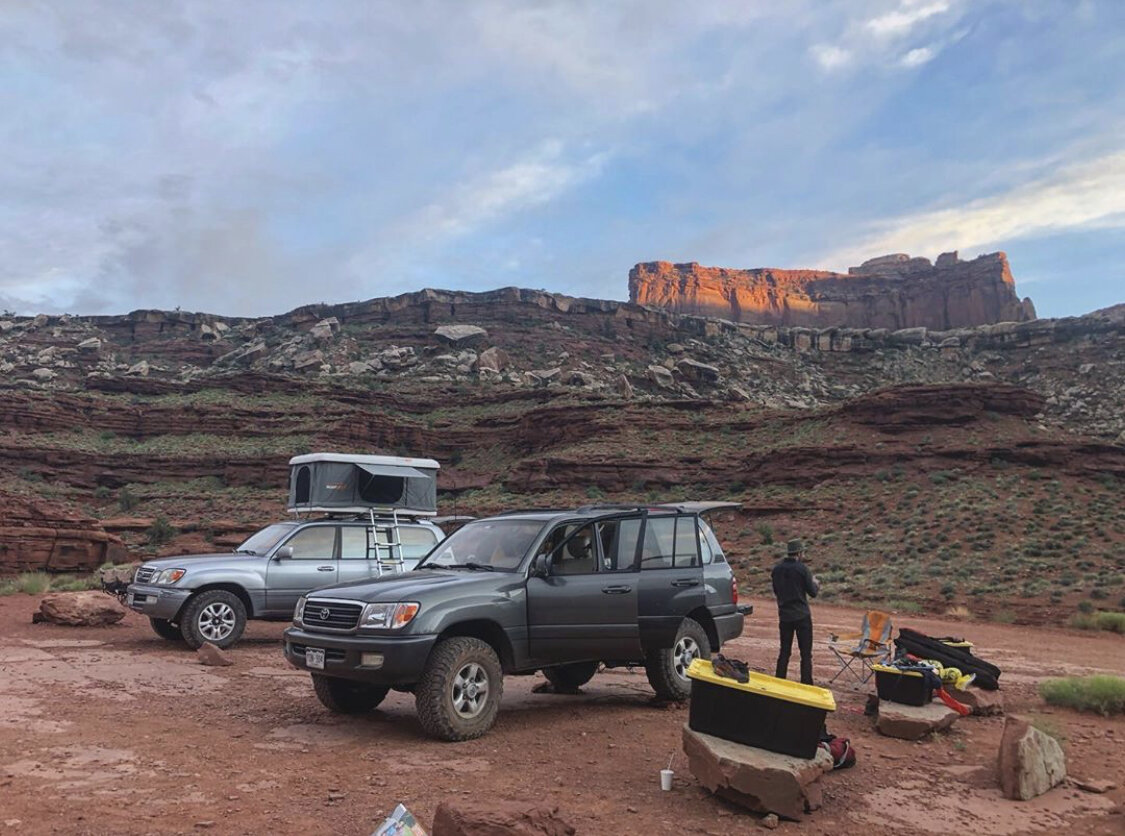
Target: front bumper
pixel 156 601
pixel 404 657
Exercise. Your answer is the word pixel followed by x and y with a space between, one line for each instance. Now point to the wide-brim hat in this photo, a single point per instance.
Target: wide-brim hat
pixel 795 547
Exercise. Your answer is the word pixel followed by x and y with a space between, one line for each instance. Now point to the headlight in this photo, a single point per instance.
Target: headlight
pixel 170 576
pixel 299 613
pixel 388 616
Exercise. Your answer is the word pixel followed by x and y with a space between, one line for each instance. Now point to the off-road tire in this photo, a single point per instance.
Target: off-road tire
pixel 667 667
pixel 569 678
pixel 216 602
pixel 453 663
pixel 166 629
pixel 343 696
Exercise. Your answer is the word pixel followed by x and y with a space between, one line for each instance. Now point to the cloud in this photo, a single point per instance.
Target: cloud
pixel 1085 195
pixel 830 56
pixel 917 57
pixel 908 15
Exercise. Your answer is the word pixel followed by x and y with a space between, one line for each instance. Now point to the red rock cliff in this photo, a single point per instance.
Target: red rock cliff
pixel 893 291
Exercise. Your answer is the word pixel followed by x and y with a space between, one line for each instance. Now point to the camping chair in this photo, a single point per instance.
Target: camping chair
pixel 871 645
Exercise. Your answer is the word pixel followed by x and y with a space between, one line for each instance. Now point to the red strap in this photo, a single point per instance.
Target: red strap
pixel 957 706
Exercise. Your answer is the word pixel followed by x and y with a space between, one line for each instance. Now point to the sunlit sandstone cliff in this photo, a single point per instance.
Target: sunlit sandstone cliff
pixel 893 291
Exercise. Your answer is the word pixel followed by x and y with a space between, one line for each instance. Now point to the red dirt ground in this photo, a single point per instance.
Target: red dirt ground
pixel 113 731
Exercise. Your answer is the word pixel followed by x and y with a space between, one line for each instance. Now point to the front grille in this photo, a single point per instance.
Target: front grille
pixel 140 599
pixel 331 615
pixel 145 574
pixel 331 654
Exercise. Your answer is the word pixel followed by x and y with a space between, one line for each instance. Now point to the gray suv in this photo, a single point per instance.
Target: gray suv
pixel 209 597
pixel 560 592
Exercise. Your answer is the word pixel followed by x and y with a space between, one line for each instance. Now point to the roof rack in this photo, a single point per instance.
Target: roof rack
pixel 512 511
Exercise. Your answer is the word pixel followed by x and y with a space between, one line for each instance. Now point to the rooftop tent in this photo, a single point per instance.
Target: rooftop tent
pixel 341 483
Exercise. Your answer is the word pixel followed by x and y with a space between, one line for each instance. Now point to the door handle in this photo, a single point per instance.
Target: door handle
pixel 326 568
pixel 616 590
pixel 685 582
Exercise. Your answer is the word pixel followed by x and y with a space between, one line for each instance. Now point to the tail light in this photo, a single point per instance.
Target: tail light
pixel 734 589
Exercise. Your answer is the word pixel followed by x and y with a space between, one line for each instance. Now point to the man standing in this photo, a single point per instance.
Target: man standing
pixel 792 582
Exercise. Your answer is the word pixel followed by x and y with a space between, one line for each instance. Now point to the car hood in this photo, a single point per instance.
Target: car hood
pixel 418 585
pixel 186 561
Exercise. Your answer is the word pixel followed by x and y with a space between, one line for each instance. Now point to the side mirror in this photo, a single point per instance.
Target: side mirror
pixel 283 553
pixel 540 566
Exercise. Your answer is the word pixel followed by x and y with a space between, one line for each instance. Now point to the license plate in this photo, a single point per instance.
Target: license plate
pixel 314 658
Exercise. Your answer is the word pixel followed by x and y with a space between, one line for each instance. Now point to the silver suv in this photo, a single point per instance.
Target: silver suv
pixel 210 597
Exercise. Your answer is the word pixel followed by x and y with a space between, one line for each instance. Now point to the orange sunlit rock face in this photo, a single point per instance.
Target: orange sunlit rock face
pixel 894 291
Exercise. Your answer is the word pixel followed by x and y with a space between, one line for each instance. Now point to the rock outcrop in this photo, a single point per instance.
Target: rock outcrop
pixel 893 292
pixel 1031 762
pixel 36 534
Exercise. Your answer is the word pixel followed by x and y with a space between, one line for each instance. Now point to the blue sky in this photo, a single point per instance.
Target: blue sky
pixel 246 158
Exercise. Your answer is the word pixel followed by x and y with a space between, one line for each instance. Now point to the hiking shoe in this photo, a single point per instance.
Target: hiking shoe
pixel 728 669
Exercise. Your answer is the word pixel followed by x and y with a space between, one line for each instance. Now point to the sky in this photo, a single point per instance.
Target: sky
pixel 248 158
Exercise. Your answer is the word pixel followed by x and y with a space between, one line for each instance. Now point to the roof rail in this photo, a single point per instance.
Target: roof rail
pixel 512 511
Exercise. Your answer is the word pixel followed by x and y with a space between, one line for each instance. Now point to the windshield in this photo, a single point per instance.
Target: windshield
pixel 265 539
pixel 498 545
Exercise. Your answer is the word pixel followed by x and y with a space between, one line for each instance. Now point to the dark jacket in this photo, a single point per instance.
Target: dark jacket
pixel 792 581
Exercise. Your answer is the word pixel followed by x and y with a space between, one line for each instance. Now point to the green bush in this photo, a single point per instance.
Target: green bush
pixel 127 500
pixel 765 531
pixel 160 532
pixel 594 492
pixel 29 583
pixel 1103 694
pixel 102 492
pixel 1113 622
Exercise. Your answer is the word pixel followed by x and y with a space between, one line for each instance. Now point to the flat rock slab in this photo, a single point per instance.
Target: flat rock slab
pixel 79 609
pixel 983 703
pixel 762 781
pixel 498 818
pixel 913 722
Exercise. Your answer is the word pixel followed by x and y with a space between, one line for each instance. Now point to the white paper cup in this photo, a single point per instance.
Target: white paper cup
pixel 666 779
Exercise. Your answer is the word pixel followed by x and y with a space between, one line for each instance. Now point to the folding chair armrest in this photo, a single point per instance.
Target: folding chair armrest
pixel 845 636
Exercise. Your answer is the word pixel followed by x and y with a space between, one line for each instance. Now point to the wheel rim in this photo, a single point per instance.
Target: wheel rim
pixel 217 621
pixel 470 690
pixel 685 650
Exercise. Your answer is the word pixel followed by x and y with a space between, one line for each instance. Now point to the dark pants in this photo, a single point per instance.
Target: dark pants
pixel 803 629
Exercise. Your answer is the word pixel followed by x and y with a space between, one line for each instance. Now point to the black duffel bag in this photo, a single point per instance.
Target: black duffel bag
pixel 926 647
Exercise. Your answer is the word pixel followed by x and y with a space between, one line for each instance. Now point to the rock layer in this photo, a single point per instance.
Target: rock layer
pixel 893 292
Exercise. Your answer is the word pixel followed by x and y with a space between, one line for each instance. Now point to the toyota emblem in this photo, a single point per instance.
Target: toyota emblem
pixel 324 613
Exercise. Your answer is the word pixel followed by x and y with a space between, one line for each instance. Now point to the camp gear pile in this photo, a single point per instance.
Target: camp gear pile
pixel 950 653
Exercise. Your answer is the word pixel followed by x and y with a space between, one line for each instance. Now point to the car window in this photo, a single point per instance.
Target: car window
pixel 578 554
pixel 416 541
pixel 712 551
pixel 353 542
pixel 687 544
pixel 500 544
pixel 315 543
pixel 618 539
pixel 266 539
pixel 659 544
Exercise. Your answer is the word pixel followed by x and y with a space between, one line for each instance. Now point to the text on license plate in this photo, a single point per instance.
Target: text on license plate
pixel 314 657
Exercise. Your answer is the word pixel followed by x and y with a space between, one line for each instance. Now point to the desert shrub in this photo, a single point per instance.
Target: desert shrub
pixel 107 435
pixel 594 492
pixel 1004 617
pixel 127 500
pixel 1114 622
pixel 958 612
pixel 1102 694
pixel 1085 607
pixel 160 532
pixel 31 583
pixel 904 606
pixel 765 531
pixel 102 492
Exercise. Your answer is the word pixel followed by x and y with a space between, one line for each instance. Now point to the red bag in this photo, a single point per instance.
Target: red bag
pixel 840 748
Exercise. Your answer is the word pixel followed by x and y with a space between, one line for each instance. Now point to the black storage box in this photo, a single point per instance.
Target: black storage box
pixel 774 714
pixel 905 687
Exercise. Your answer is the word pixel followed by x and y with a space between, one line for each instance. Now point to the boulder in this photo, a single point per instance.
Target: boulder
pixel 544 376
pixel 213 655
pixel 494 359
pixel 498 818
pixel 308 359
pixel 80 609
pixel 460 334
pixel 623 387
pixel 697 372
pixel 762 781
pixel 1031 762
pixel 91 345
pixel 983 703
pixel 325 329
pixel 913 722
pixel 44 374
pixel 660 376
